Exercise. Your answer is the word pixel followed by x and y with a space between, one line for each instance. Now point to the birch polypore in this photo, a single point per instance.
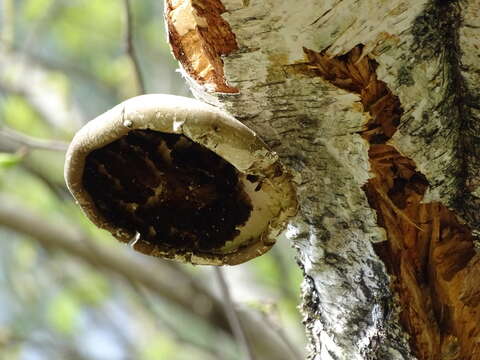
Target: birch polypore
pixel 181 180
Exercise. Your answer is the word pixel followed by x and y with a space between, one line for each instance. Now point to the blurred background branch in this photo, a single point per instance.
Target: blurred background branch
pixel 67 289
pixel 30 142
pixel 130 47
pixel 233 317
pixel 171 285
pixel 162 278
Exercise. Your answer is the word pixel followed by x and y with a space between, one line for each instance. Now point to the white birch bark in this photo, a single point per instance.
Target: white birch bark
pixel 428 54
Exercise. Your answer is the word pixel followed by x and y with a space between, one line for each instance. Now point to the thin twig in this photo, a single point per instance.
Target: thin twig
pixel 296 354
pixel 31 142
pixel 130 47
pixel 149 304
pixel 232 315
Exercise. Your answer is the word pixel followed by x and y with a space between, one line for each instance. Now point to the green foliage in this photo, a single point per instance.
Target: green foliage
pixel 31 190
pixel 90 289
pixel 26 256
pixel 118 74
pixel 59 83
pixel 85 27
pixel 63 313
pixel 64 310
pixel 8 160
pixel 20 115
pixel 36 9
pixel 159 347
pixel 276 271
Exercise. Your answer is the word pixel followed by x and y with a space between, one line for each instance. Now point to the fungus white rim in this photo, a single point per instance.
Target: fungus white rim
pixel 211 128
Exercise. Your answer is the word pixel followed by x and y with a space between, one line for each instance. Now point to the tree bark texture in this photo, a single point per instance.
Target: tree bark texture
pixel 374 106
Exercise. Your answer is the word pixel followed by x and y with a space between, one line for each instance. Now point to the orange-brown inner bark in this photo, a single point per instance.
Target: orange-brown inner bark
pixel 434 268
pixel 199 37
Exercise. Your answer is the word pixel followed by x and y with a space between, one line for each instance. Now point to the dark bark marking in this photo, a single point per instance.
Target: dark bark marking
pixel 436 35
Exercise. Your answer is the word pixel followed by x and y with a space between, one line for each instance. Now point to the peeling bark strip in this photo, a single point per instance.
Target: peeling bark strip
pixel 429 253
pixel 199 37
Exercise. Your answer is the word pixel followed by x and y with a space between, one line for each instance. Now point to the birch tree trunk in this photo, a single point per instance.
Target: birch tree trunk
pixel 374 106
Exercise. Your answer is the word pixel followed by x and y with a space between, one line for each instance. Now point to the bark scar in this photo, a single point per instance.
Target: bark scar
pixel 429 252
pixel 199 37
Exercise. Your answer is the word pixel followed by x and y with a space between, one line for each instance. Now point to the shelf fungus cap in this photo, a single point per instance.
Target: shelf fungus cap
pixel 180 179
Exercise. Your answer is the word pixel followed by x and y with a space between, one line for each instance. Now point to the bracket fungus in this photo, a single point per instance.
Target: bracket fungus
pixel 181 180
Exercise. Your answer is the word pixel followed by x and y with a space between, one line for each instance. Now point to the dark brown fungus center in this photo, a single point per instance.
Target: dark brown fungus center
pixel 174 192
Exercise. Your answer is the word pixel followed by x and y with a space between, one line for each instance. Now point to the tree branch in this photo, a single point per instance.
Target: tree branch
pixel 32 142
pixel 232 315
pixel 149 303
pixel 11 145
pixel 169 285
pixel 155 275
pixel 130 47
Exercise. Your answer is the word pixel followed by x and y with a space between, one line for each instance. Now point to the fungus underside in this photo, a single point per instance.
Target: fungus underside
pixel 172 191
